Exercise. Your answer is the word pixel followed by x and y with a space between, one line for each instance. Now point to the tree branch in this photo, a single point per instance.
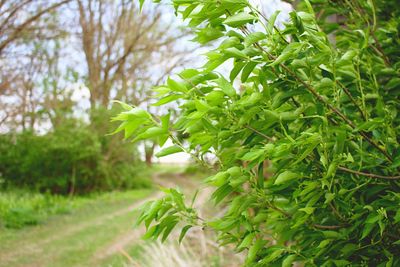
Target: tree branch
pixel 21 27
pixel 372 175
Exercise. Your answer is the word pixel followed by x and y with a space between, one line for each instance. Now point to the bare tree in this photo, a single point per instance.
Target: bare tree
pixel 20 18
pixel 24 27
pixel 121 46
pixel 127 52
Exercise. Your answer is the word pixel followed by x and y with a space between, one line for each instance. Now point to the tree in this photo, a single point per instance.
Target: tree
pixel 27 30
pixel 308 148
pixel 23 19
pixel 121 49
pixel 120 46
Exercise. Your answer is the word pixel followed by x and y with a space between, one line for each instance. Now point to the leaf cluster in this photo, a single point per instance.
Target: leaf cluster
pixel 307 145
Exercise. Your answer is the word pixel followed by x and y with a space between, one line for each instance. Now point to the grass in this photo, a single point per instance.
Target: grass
pixel 19 208
pixel 74 239
pixel 94 230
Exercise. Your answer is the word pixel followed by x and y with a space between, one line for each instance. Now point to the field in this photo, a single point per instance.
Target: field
pixel 100 231
pixel 75 239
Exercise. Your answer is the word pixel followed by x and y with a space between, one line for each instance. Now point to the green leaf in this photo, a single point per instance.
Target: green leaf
pixel 271 22
pixel 324 243
pixel 176 86
pixel 253 154
pixel 170 226
pixel 332 234
pixel 221 193
pixel 273 256
pixel 123 105
pixel 141 2
pixel 183 232
pixel 207 34
pixel 285 176
pixel 150 133
pixel 247 241
pixel 254 38
pixel 133 114
pixel 234 52
pixel 239 19
pixel 397 216
pixel 218 179
pixel 152 212
pixel 168 151
pixel 247 70
pixel 131 127
pixel 308 210
pixel 167 99
pixel 215 97
pixel 287 262
pixel 225 86
pixel 236 69
pixel 254 249
pixel 288 52
pixel 202 106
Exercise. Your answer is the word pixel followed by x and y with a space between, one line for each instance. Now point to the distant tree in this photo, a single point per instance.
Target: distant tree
pixel 126 52
pixel 27 29
pixel 121 49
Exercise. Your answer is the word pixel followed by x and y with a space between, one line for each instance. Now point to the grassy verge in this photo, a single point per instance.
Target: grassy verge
pixel 19 208
pixel 81 238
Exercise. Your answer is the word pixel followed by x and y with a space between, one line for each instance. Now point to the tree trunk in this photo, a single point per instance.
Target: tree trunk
pixel 148 153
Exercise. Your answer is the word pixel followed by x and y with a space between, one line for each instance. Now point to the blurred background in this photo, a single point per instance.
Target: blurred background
pixel 68 189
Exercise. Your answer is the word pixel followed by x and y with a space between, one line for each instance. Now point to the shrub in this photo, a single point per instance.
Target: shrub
pixel 308 145
pixel 19 208
pixel 70 159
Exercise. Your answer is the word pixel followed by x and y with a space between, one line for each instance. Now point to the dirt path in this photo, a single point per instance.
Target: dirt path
pixel 86 236
pixel 119 244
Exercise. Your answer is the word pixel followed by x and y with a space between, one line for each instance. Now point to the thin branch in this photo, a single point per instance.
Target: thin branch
pixel 372 175
pixel 259 133
pixel 327 227
pixel 336 212
pixel 347 92
pixel 379 49
pixel 21 27
pixel 288 215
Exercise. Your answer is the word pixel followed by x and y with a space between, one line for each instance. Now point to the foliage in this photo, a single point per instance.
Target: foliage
pixel 19 208
pixel 71 159
pixel 307 145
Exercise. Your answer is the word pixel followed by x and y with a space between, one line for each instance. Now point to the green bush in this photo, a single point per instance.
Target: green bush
pixel 70 159
pixel 19 208
pixel 308 145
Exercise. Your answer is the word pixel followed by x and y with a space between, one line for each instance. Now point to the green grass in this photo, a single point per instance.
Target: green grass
pixel 75 239
pixel 19 208
pixel 78 231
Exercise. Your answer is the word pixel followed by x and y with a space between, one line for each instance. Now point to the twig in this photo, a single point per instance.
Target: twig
pixel 352 99
pixel 259 133
pixel 336 212
pixel 372 175
pixel 279 210
pixel 327 227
